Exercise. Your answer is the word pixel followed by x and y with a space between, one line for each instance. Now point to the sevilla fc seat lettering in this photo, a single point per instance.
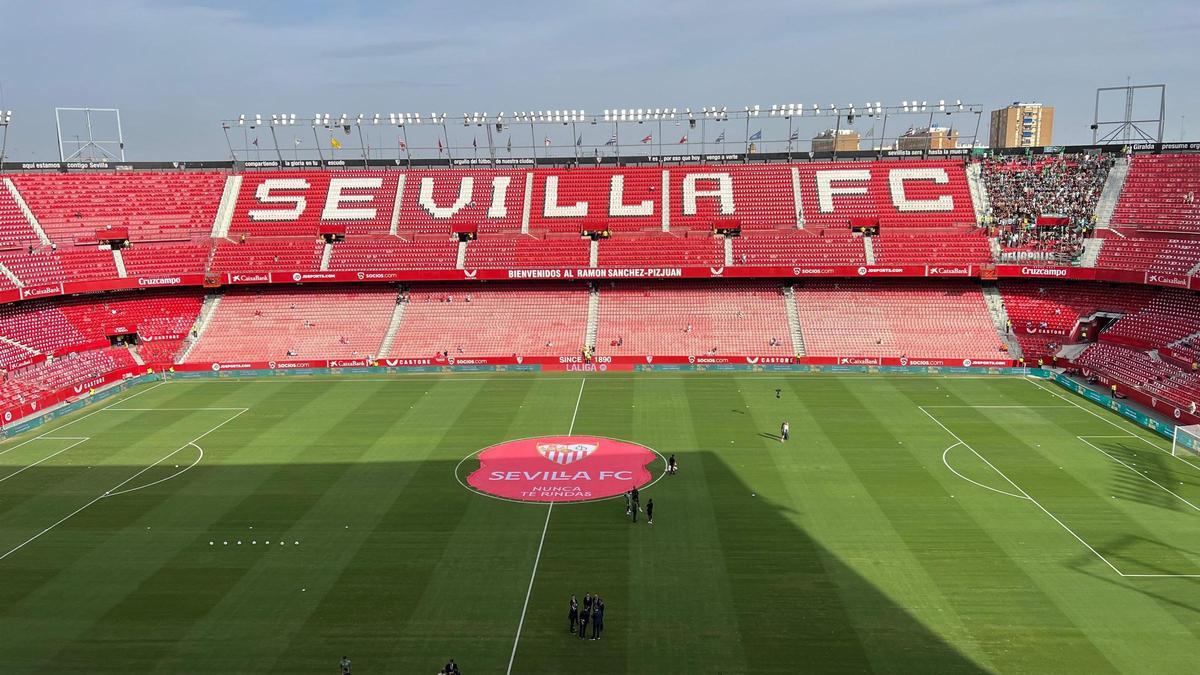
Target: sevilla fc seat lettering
pixel 763 196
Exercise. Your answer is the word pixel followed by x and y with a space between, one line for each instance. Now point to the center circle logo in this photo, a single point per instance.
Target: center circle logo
pixel 561 468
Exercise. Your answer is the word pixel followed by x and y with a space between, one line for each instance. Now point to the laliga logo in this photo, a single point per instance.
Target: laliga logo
pixel 565 454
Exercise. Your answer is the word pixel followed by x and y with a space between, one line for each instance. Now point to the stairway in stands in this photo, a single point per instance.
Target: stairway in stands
pixel 593 317
pixel 995 305
pixel 1091 252
pixel 393 326
pixel 202 320
pixel 793 317
pixel 1111 194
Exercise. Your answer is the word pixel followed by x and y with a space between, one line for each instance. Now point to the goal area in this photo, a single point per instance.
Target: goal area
pixel 1186 441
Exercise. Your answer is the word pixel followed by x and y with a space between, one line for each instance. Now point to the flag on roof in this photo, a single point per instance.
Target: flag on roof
pixel 254 142
pixel 475 143
pixel 440 146
pixel 720 138
pixel 648 138
pixel 579 141
pixel 612 140
pixel 295 140
pixel 337 145
pixel 510 143
pixel 795 136
pixel 683 139
pixel 400 143
pixel 756 136
pixel 546 141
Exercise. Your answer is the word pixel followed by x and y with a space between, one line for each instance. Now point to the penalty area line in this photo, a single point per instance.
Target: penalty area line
pixel 116 489
pixel 541 543
pixel 1018 488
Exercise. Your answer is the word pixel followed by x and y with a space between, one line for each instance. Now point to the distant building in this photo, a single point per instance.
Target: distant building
pixel 835 140
pixel 1022 125
pixel 930 138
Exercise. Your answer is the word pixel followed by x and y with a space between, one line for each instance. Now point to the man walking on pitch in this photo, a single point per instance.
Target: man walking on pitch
pixel 650 511
pixel 573 614
pixel 672 466
pixel 637 503
pixel 344 665
pixel 785 431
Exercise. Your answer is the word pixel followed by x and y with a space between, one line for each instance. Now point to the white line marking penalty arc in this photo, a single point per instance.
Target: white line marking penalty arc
pixel 946 461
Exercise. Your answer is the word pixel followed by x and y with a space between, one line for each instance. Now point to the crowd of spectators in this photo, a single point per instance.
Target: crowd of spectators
pixel 1022 189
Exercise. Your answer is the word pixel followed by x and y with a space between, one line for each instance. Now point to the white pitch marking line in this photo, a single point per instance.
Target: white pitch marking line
pixel 80 419
pixel 199 456
pixel 46 458
pixel 1139 473
pixel 1023 407
pixel 956 473
pixel 1023 492
pixel 114 490
pixel 169 409
pixel 541 543
pixel 1110 422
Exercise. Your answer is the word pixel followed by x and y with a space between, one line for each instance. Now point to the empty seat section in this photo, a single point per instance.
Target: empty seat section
pixel 1171 315
pixel 933 247
pixel 153 206
pixel 1163 254
pixel 1137 369
pixel 892 318
pixel 547 319
pixel 166 259
pixel 1161 193
pixel 693 318
pixel 29 384
pixel 1047 313
pixel 268 255
pixel 798 247
pixel 663 250
pixel 393 253
pixel 15 231
pixel 527 252
pixel 932 193
pixel 46 266
pixel 312 323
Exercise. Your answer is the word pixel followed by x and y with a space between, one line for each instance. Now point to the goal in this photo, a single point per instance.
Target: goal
pixel 1186 441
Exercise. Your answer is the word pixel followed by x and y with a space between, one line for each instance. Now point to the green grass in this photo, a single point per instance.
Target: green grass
pixel 862 550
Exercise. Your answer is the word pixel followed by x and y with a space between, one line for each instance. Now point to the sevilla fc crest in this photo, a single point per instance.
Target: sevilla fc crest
pixel 561 453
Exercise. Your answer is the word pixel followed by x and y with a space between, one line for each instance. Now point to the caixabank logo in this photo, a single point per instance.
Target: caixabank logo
pixel 561 468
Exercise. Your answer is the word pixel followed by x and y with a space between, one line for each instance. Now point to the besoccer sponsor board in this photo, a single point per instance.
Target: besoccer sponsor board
pixel 561 468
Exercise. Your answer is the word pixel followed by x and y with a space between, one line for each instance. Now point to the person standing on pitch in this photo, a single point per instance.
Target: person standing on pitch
pixel 672 466
pixel 344 665
pixel 583 616
pixel 785 431
pixel 650 511
pixel 597 619
pixel 628 503
pixel 637 503
pixel 777 392
pixel 573 614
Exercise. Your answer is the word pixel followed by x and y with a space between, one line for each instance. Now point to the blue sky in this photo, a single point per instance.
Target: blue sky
pixel 176 69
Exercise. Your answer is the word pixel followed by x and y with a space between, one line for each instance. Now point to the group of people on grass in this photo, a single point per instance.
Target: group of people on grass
pixel 592 613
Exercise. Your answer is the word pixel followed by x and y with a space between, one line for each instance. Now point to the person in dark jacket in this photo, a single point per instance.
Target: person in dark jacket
pixel 583 621
pixel 650 512
pixel 573 614
pixel 597 619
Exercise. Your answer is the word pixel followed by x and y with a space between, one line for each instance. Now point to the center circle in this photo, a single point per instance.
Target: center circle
pixel 561 468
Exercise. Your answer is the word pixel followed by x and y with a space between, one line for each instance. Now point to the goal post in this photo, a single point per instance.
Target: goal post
pixel 1186 441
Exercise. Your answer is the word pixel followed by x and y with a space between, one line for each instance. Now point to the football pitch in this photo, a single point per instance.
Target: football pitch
pixel 912 524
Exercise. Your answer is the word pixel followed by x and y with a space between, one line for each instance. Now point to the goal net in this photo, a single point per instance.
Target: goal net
pixel 1186 441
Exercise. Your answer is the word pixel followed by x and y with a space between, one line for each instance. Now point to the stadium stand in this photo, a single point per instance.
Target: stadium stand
pixel 295 203
pixel 694 318
pixel 183 258
pixel 393 253
pixel 1046 315
pixel 852 317
pixel 1169 316
pixel 56 326
pixel 268 255
pixel 59 373
pixel 436 202
pixel 50 266
pixel 798 248
pixel 153 206
pixel 663 250
pixel 933 247
pixel 526 251
pixel 279 323
pixel 15 231
pixel 1162 254
pixel 1160 194
pixel 547 319
pixel 1138 369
